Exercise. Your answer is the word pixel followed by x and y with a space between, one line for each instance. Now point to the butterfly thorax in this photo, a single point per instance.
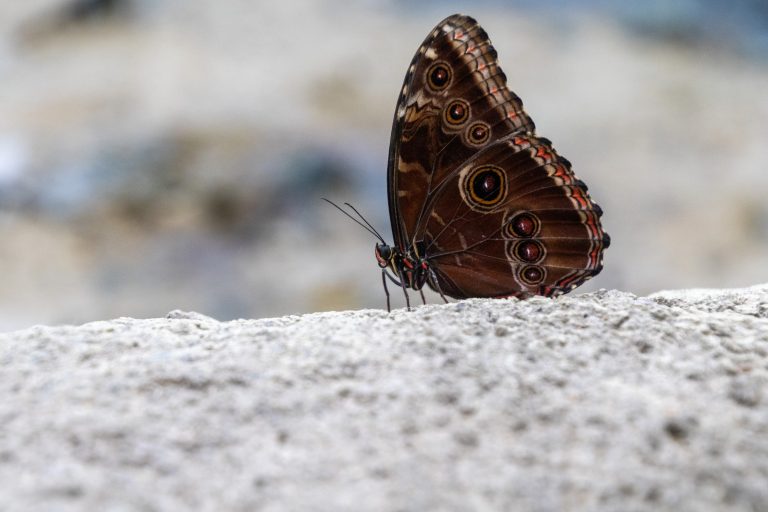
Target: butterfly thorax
pixel 407 267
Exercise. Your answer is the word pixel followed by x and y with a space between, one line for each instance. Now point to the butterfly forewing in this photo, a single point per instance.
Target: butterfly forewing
pixel 454 67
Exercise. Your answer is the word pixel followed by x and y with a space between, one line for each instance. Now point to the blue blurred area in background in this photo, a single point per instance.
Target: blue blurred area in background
pixel 740 25
pixel 168 154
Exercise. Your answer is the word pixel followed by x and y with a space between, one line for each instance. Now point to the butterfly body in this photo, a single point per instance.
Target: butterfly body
pixel 480 206
pixel 412 269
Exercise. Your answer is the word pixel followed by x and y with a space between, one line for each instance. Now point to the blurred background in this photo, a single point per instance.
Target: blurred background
pixel 163 154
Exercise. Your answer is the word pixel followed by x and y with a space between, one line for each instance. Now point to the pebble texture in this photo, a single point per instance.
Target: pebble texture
pixel 604 401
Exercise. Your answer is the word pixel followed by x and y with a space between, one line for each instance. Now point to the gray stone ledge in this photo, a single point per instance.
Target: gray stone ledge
pixel 603 401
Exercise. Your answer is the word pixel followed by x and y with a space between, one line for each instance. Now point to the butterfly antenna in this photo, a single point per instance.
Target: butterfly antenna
pixel 368 228
pixel 366 222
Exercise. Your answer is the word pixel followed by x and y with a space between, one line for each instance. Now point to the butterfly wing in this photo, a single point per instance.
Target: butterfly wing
pixel 512 221
pixel 491 207
pixel 453 84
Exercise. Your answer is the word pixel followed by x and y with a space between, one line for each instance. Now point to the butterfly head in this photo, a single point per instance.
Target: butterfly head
pixel 384 255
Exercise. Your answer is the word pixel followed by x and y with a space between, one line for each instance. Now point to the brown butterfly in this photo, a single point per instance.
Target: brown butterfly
pixel 479 205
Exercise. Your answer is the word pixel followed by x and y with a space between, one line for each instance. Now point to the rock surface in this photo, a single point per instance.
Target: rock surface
pixel 604 401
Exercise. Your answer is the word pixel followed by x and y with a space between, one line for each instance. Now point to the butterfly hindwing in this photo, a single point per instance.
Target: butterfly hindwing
pixel 512 220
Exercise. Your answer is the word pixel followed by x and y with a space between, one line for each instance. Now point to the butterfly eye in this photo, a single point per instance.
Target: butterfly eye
pixel 438 76
pixel 383 255
pixel 532 274
pixel 478 133
pixel 457 112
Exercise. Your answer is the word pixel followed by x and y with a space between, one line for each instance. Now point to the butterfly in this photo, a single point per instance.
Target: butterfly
pixel 480 206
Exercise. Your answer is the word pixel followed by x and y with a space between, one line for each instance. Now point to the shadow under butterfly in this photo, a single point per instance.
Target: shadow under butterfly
pixel 480 206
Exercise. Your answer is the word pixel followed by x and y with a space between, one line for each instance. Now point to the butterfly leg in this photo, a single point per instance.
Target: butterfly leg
pixel 423 300
pixel 386 291
pixel 407 299
pixel 389 276
pixel 433 281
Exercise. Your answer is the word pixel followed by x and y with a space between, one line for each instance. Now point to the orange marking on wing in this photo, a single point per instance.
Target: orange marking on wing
pixel 592 228
pixel 579 197
pixel 577 276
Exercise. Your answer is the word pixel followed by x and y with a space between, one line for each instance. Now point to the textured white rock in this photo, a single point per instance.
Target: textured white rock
pixel 603 401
